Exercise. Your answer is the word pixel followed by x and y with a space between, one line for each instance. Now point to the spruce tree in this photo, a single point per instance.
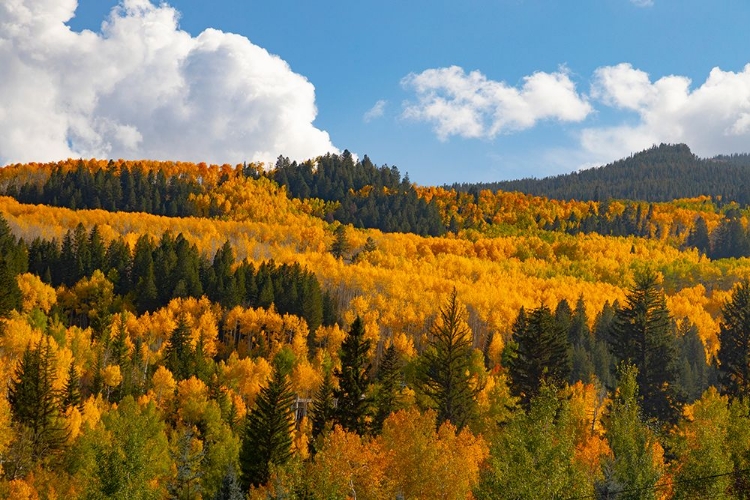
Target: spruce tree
pixel 541 356
pixel 268 431
pixel 389 387
pixel 734 344
pixel 641 335
pixel 230 488
pixel 699 237
pixel 71 396
pixel 34 403
pixel 323 406
pixel 351 395
pixel 178 355
pixel 10 294
pixel 445 367
pixel 341 245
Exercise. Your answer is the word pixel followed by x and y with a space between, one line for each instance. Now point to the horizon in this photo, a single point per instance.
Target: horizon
pixel 492 91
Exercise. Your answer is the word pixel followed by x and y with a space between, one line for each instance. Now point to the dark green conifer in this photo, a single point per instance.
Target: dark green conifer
pixel 10 294
pixel 341 245
pixel 390 379
pixel 34 403
pixel 71 395
pixel 541 356
pixel 734 344
pixel 642 336
pixel 323 406
pixel 445 368
pixel 178 355
pixel 268 431
pixel 354 381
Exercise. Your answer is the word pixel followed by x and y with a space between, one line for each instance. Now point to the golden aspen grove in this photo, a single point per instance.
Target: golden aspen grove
pixel 193 331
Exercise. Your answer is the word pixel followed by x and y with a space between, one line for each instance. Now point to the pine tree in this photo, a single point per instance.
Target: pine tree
pixel 34 403
pixel 541 356
pixel 641 335
pixel 71 396
pixel 230 488
pixel 341 245
pixel 351 395
pixel 734 343
pixel 445 366
pixel 268 431
pixel 699 237
pixel 146 294
pixel 178 355
pixel 323 406
pixel 10 294
pixel 389 386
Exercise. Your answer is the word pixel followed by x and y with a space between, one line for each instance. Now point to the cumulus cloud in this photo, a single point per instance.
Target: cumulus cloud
pixel 712 118
pixel 376 111
pixel 143 88
pixel 473 106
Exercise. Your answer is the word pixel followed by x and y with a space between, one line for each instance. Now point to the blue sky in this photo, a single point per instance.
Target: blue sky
pixel 448 91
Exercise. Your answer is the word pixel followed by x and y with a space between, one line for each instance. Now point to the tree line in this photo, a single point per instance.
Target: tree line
pixel 368 196
pixel 154 273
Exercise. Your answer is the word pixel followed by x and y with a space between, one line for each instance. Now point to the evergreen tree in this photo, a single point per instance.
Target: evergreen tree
pixel 541 355
pixel 445 367
pixel 351 394
pixel 641 336
pixel 268 431
pixel 178 355
pixel 734 343
pixel 71 396
pixel 695 375
pixel 97 251
pixel 10 294
pixel 119 263
pixel 323 406
pixel 34 403
pixel 341 245
pixel 699 237
pixel 389 387
pixel 230 488
pixel 579 332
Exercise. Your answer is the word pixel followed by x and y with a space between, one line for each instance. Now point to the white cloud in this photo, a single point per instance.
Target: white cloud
pixel 472 106
pixel 376 111
pixel 642 3
pixel 712 118
pixel 142 88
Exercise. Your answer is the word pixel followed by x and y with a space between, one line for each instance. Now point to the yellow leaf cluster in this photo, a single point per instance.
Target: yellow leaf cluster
pixel 245 376
pixel 35 293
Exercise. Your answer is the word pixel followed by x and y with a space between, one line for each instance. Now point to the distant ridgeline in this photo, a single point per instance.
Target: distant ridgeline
pixel 361 193
pixel 664 193
pixel 661 173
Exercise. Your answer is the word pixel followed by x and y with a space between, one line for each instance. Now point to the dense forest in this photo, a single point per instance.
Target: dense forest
pixel 662 173
pixel 330 330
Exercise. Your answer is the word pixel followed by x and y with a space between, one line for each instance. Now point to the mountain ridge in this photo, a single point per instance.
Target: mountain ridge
pixel 661 173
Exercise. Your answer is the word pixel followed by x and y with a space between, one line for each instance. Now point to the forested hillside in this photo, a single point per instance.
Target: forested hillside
pixel 330 330
pixel 662 173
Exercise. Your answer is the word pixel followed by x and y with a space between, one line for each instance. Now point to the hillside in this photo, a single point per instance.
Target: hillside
pixel 662 173
pixel 170 311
